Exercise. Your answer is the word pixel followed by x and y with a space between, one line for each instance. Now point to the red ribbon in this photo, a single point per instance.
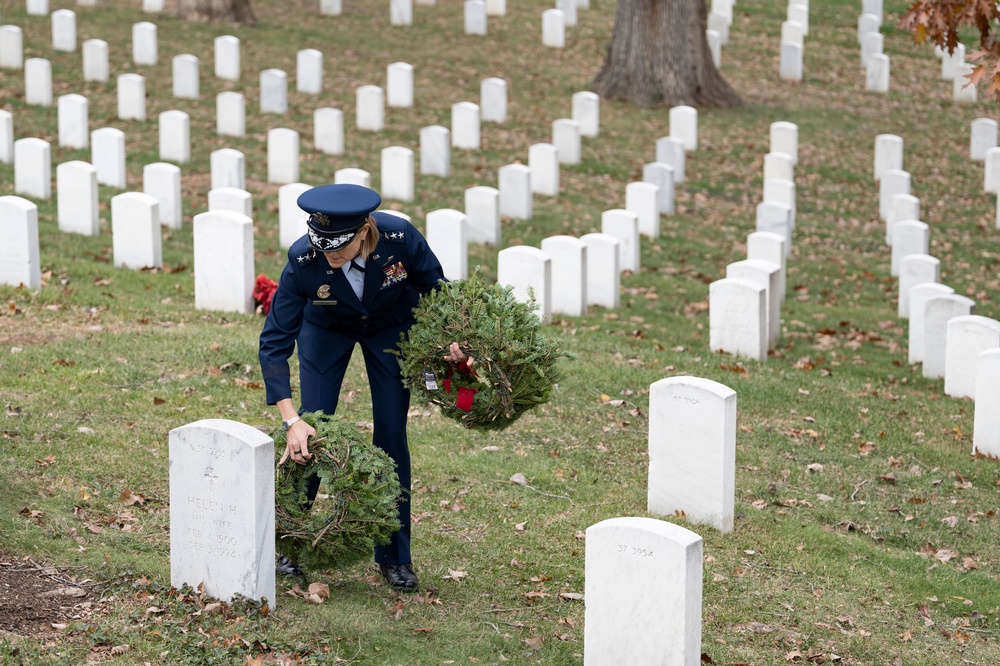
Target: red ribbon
pixel 465 395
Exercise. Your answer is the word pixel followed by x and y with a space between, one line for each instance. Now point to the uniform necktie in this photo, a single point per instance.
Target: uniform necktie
pixel 356 266
pixel 357 279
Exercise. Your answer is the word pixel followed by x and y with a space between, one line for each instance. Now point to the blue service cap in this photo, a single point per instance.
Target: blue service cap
pixel 337 213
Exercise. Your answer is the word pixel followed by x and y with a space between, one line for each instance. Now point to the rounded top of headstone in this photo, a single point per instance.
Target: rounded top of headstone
pixel 336 213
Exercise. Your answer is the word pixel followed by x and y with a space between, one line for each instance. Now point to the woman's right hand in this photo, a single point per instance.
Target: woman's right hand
pixel 297 447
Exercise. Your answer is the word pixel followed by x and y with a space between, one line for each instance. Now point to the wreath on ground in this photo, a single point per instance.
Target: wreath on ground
pixel 513 366
pixel 355 508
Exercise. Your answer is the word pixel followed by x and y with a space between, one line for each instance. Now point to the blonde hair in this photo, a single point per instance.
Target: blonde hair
pixel 369 237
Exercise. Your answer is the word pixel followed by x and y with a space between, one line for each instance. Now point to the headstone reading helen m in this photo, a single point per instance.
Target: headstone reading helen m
pixel 222 509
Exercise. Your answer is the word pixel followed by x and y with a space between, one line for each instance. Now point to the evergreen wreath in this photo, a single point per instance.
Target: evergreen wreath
pixel 514 366
pixel 355 508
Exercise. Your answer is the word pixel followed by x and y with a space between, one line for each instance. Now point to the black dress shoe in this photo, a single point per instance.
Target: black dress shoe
pixel 399 576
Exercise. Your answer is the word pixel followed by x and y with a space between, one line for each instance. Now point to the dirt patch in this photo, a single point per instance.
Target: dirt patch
pixel 36 600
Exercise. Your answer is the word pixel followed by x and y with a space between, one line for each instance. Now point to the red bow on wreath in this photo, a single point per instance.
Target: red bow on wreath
pixel 465 394
pixel 263 292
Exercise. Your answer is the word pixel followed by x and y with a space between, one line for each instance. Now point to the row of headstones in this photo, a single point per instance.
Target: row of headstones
pixel 794 30
pixel 745 306
pixel 223 280
pixel 944 333
pixel 643 576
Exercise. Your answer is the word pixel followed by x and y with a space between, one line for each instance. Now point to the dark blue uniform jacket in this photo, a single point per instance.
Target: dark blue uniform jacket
pixel 316 307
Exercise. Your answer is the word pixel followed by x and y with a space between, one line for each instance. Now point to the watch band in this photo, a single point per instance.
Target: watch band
pixel 290 422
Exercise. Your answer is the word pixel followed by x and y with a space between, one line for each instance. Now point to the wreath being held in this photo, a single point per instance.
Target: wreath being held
pixel 355 508
pixel 513 366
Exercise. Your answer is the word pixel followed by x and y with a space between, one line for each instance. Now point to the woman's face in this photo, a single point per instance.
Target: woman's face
pixel 338 258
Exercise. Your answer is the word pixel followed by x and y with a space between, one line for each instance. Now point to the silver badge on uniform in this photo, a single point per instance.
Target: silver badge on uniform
pixel 323 291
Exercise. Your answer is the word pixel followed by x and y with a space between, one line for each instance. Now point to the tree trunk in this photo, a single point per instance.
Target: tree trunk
pixel 658 54
pixel 238 11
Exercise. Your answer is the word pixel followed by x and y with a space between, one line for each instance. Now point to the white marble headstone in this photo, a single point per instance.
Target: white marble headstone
pixel 33 168
pixel 224 266
pixel 230 114
pixel 877 73
pixel 643 593
pixel 888 154
pixel 475 17
pixel 670 150
pixel 465 123
pixel 401 12
pixel 553 28
pixel 919 295
pixel 328 130
pixel 514 184
pixel 790 62
pixel 291 218
pixel 893 182
pixel 587 112
pixel 908 237
pixel 135 231
pixel 282 156
pixel 399 84
pixel 74 128
pixel 692 450
pixel 95 60
pixel 623 225
pixel 63 30
pixel 11 47
pixel 107 154
pixel 643 199
pixel 737 313
pixel 662 176
pixel 370 111
pixel 966 337
pixel 569 274
pixel 273 91
pixel 131 97
pixel 353 176
pixel 482 215
pixel 162 181
pixel 986 423
pixel 397 173
pixel 566 139
pixel 309 71
pixel 175 137
pixel 144 48
pixel 186 78
pixel 915 269
pixel 435 151
pixel 543 160
pixel 982 137
pixel 528 271
pixel 901 207
pixel 493 100
pixel 227 57
pixel 19 253
pixel 447 239
pixel 38 82
pixel 222 509
pixel 232 199
pixel 6 137
pixel 766 274
pixel 684 125
pixel 76 198
pixel 603 270
pixel 938 311
pixel 228 168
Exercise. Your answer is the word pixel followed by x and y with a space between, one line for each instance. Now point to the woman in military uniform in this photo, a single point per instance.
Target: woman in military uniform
pixel 353 279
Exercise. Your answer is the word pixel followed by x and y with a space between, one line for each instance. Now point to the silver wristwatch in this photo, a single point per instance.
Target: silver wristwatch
pixel 290 422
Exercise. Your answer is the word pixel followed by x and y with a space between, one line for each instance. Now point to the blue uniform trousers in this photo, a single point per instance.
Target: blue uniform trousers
pixel 390 404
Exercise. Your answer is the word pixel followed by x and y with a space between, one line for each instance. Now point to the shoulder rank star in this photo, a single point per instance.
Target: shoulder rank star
pixel 308 256
pixel 393 235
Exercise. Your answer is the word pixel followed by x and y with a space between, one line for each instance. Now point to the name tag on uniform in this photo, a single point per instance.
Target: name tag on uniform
pixel 324 302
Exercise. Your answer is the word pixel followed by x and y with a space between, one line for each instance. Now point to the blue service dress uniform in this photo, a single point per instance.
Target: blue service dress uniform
pixel 316 308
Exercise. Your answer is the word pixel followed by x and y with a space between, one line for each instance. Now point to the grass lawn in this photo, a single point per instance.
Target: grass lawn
pixel 866 532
